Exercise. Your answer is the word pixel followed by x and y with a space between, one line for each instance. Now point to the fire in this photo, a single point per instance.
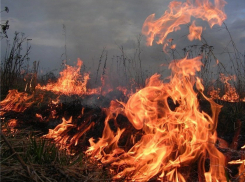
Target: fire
pixel 230 95
pixel 180 13
pixel 175 133
pixel 241 168
pixel 172 138
pixel 173 46
pixel 58 132
pixel 214 93
pixel 71 82
pixel 11 126
pixel 12 123
pixel 195 32
pixel 16 101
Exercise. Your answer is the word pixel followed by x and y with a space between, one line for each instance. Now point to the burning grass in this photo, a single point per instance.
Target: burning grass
pixel 165 131
pixel 71 124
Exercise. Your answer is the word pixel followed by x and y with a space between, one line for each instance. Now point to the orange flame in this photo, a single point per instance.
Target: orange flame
pixel 180 13
pixel 16 101
pixel 214 94
pixel 71 82
pixel 230 95
pixel 12 123
pixel 173 46
pixel 195 32
pixel 173 138
pixel 58 132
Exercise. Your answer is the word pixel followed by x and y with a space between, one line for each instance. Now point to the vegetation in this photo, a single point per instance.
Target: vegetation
pixel 13 66
pixel 26 156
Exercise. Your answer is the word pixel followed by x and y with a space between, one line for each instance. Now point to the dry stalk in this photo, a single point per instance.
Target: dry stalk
pixel 30 172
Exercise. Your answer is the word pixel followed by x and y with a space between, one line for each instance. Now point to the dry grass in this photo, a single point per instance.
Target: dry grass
pixel 31 158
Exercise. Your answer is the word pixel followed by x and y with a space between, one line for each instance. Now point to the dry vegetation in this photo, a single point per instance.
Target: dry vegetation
pixel 26 156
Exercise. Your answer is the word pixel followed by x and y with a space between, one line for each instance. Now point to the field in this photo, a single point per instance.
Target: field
pixel 122 120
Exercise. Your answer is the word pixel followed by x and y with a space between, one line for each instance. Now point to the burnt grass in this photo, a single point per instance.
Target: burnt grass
pixel 231 125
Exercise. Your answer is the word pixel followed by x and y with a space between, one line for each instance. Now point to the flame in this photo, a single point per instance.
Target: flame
pixel 16 101
pixel 230 95
pixel 176 133
pixel 173 46
pixel 71 82
pixel 173 138
pixel 180 13
pixel 39 116
pixel 12 123
pixel 214 93
pixel 108 142
pixel 11 126
pixel 195 32
pixel 58 132
pixel 56 101
pixel 241 168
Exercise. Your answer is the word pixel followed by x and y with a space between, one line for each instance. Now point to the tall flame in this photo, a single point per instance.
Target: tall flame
pixel 172 138
pixel 176 133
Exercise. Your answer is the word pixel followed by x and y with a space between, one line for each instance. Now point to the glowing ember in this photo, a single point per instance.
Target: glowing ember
pixel 173 46
pixel 11 126
pixel 12 123
pixel 39 116
pixel 214 93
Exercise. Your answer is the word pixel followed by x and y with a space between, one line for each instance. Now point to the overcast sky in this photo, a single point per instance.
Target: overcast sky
pixel 94 24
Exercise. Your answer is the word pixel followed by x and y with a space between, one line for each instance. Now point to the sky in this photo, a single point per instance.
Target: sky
pixel 92 25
